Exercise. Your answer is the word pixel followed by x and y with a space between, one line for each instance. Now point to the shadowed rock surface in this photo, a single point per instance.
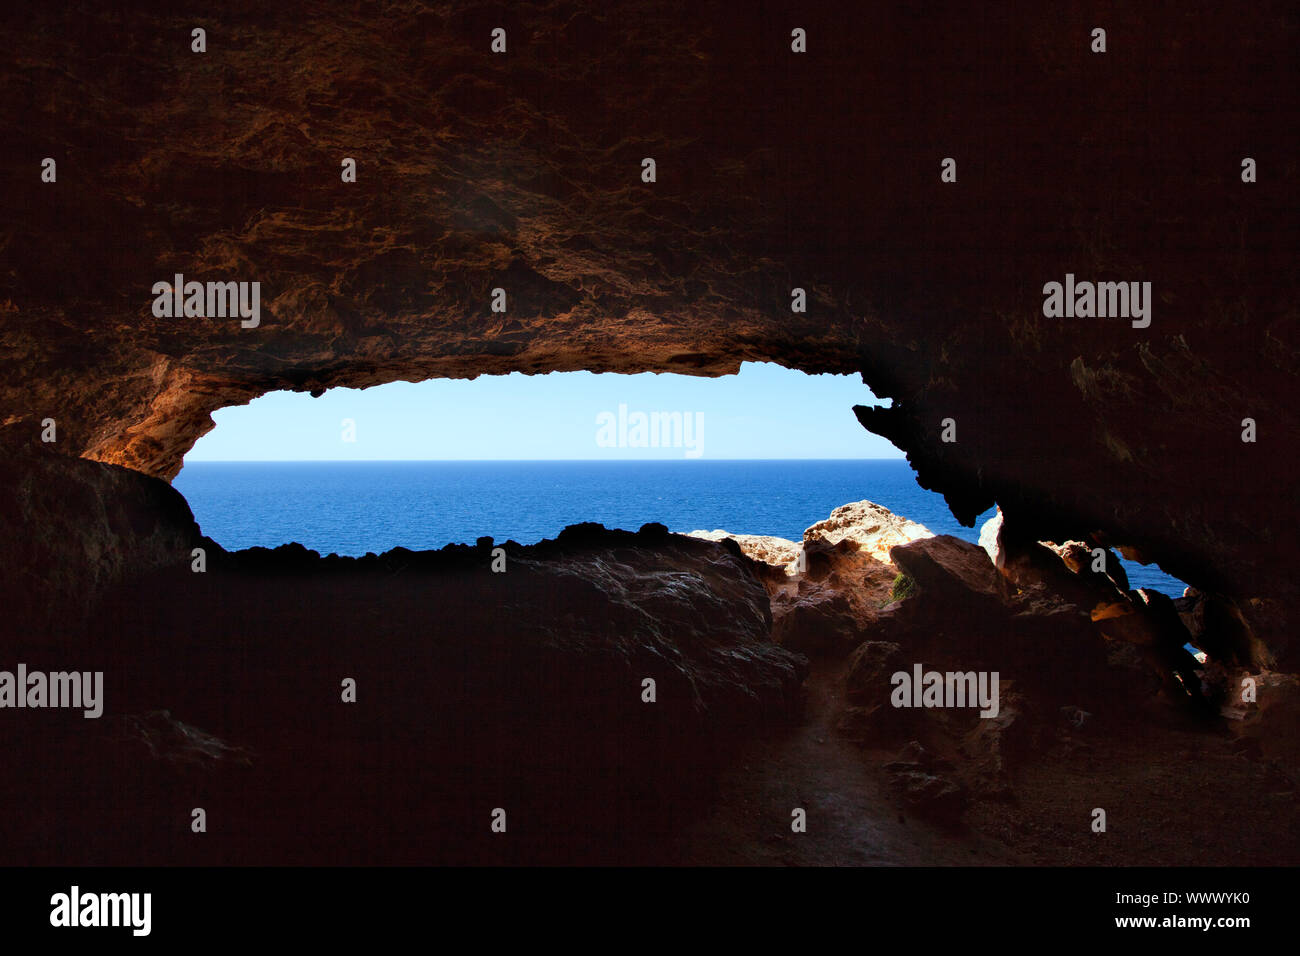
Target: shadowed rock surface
pixel 522 171
pixel 474 690
pixel 775 170
pixel 523 691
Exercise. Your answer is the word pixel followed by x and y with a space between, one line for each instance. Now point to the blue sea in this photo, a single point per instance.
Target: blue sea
pixel 351 508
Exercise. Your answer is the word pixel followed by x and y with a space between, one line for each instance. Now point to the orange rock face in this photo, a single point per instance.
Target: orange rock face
pixel 828 590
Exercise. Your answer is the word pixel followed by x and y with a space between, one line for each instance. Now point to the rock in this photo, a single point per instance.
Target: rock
pixel 990 540
pixel 1271 722
pixel 927 785
pixel 1191 609
pixel 74 529
pixel 951 570
pixel 470 684
pixel 965 617
pixel 816 621
pixel 863 528
pixel 1226 635
pixel 778 553
pixel 1136 674
pixel 1132 553
pixel 1151 622
pixel 870 667
pixel 994 747
pixel 1122 621
pixel 831 606
pixel 185 748
pixel 1081 559
pixel 608 274
pixel 1066 569
pixel 869 718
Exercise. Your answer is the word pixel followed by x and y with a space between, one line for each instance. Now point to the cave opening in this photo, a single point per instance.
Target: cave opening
pixel 769 451
pixel 420 465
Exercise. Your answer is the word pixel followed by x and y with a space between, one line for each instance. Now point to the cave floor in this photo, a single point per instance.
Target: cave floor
pixel 450 728
pixel 1175 794
pixel 853 818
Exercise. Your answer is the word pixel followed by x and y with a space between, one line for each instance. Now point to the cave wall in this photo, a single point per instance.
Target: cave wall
pixel 774 170
pixel 71 531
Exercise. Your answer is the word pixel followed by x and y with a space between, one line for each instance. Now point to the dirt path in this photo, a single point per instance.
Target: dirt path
pixel 853 818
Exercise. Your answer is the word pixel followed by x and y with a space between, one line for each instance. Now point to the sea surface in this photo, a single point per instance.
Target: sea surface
pixel 351 508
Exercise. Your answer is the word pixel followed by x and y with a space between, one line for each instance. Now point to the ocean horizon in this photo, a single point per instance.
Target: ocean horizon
pixel 353 508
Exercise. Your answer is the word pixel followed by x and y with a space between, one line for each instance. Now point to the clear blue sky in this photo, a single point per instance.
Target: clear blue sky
pixel 764 412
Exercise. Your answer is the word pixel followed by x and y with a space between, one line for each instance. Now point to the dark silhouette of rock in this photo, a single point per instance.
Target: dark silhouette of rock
pixel 525 689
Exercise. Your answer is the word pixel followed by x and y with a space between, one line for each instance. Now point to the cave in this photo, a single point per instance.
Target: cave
pixel 782 178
